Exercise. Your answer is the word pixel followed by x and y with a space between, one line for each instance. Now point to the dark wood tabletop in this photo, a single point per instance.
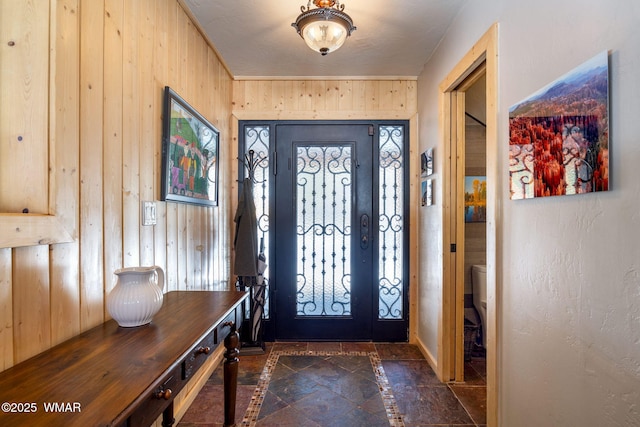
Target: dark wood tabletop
pixel 101 376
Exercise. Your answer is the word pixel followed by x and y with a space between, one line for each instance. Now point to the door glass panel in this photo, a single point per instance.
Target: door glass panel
pixel 391 206
pixel 323 230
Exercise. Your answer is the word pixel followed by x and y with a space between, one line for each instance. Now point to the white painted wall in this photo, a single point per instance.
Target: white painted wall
pixel 569 273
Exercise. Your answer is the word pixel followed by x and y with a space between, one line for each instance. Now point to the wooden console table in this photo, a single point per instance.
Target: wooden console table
pixel 113 376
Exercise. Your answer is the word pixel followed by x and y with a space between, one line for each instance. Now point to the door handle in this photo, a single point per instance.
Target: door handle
pixel 364 231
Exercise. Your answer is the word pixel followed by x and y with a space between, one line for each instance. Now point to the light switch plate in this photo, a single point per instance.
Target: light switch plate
pixel 148 213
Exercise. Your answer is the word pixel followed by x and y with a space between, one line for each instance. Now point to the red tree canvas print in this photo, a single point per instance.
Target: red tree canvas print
pixel 559 136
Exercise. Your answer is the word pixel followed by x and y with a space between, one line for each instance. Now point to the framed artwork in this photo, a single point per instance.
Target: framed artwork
pixel 426 169
pixel 426 163
pixel 475 199
pixel 427 192
pixel 189 153
pixel 559 136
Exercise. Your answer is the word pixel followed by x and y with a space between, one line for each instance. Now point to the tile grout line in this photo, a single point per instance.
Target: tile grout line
pixel 393 413
pixel 390 405
pixel 450 386
pixel 251 415
pixel 475 423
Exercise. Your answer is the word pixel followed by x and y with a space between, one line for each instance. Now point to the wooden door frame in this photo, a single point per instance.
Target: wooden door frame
pixel 451 118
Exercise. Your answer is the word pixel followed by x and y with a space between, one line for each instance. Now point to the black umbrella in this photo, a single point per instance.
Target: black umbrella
pixel 258 297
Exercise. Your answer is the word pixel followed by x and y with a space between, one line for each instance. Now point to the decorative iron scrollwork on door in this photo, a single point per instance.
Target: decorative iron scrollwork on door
pixel 391 224
pixel 323 230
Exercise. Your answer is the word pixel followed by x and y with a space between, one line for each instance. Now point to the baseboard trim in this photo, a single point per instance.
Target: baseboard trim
pixel 427 354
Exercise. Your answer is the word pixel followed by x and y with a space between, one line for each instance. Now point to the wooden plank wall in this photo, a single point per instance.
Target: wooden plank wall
pixel 109 62
pixel 324 99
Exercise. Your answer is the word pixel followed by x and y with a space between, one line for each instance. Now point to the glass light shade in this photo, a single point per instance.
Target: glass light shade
pixel 324 29
pixel 324 36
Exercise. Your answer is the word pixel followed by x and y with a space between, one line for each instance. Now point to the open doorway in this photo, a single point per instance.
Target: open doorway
pixel 466 218
pixel 475 229
pixel 480 63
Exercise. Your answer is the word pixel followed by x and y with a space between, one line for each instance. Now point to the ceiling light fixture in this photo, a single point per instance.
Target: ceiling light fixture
pixel 326 28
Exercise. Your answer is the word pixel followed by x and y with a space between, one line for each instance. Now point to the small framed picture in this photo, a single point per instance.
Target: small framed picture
pixel 475 199
pixel 427 192
pixel 426 163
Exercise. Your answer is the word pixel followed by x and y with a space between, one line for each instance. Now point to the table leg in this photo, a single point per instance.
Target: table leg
pixel 231 376
pixel 167 416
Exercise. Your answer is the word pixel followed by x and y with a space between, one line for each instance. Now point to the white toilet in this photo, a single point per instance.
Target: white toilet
pixel 479 283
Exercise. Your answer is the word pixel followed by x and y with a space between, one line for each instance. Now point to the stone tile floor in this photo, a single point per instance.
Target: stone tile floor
pixel 343 384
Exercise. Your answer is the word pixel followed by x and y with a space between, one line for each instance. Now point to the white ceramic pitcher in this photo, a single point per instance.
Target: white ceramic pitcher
pixel 137 295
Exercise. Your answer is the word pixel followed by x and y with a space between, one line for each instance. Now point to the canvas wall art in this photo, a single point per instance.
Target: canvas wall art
pixel 559 136
pixel 426 169
pixel 427 192
pixel 426 163
pixel 475 199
